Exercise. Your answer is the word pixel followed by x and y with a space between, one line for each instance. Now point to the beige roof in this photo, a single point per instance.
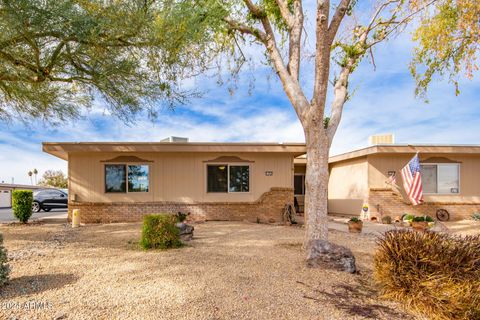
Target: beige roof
pixel 62 149
pixel 407 149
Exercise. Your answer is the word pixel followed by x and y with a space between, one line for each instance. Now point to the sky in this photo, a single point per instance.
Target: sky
pixel 383 102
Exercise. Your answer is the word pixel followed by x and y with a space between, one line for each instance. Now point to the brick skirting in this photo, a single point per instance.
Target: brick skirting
pixel 392 204
pixel 268 208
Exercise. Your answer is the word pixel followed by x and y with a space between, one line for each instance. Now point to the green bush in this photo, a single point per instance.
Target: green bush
pixel 354 219
pixel 4 268
pixel 408 217
pixel 422 219
pixel 432 273
pixel 160 232
pixel 22 204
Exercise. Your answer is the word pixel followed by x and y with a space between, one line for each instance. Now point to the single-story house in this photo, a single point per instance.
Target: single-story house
pixel 6 192
pixel 122 181
pixel 450 177
pixel 117 181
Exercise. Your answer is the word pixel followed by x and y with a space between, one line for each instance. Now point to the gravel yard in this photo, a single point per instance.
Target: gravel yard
pixel 231 270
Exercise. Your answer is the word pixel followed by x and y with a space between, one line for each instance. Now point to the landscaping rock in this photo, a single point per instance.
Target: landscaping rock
pixel 325 254
pixel 186 231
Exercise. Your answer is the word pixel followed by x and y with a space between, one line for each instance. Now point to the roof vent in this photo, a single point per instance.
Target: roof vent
pixel 174 139
pixel 381 139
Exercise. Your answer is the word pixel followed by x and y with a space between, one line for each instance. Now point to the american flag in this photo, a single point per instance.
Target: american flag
pixel 412 181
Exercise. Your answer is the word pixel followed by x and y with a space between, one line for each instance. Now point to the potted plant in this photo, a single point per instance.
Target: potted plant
pixel 407 218
pixel 355 225
pixel 421 223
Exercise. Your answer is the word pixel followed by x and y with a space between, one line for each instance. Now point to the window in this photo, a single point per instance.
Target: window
pixel 299 184
pixel 115 178
pixel 239 178
pixel 442 178
pixel 117 175
pixel 228 178
pixel 138 178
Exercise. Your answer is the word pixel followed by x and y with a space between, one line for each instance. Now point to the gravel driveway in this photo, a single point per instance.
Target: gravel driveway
pixel 231 270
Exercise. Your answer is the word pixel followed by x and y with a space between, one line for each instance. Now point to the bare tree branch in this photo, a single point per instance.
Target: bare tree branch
pixel 285 11
pixel 243 28
pixel 337 19
pixel 322 56
pixel 295 38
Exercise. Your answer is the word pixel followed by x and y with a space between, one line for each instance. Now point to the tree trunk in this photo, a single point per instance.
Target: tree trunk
pixel 316 180
pixel 320 252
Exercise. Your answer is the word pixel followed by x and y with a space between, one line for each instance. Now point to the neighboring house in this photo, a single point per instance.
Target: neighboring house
pixel 450 176
pixel 6 192
pixel 116 181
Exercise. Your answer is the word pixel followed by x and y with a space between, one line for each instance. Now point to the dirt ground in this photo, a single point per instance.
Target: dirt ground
pixel 231 270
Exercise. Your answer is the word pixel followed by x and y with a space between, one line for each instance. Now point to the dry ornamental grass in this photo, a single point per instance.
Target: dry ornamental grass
pixel 432 273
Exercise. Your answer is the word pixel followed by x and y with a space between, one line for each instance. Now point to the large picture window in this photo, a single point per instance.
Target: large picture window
pixel 441 178
pixel 225 178
pixel 117 176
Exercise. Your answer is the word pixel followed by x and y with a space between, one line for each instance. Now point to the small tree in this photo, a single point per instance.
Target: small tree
pixel 4 267
pixel 22 201
pixel 54 178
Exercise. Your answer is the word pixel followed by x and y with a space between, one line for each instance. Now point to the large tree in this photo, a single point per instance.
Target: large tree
pixel 54 178
pixel 59 55
pixel 278 27
pixel 448 42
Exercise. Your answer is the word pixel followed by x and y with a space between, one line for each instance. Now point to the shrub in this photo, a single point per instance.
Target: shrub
pixel 408 217
pixel 354 219
pixel 387 220
pixel 160 232
pixel 476 216
pixel 422 219
pixel 4 268
pixel 22 204
pixel 432 273
pixel 181 217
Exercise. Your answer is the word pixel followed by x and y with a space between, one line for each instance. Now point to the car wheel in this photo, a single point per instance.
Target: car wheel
pixel 36 206
pixel 47 209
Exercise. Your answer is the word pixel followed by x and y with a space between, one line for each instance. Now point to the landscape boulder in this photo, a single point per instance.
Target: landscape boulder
pixel 324 254
pixel 186 231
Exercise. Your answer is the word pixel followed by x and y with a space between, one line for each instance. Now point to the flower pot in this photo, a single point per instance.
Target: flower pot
pixel 355 227
pixel 420 225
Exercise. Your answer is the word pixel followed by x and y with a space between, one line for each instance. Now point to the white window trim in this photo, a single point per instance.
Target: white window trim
pixel 303 186
pixel 440 164
pixel 126 164
pixel 228 164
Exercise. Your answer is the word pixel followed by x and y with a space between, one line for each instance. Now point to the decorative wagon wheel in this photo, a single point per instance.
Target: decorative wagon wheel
pixel 443 215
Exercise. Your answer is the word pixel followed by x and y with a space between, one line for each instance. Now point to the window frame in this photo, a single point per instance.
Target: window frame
pixel 444 164
pixel 126 164
pixel 234 164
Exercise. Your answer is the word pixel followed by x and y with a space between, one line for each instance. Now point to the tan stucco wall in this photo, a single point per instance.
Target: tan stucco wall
pixel 179 177
pixel 379 165
pixel 348 186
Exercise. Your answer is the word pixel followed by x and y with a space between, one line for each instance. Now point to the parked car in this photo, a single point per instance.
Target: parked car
pixel 48 199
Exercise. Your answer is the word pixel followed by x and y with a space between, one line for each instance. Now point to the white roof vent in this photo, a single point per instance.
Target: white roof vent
pixel 174 139
pixel 381 139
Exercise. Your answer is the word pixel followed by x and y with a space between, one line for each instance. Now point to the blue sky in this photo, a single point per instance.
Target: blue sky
pixel 383 102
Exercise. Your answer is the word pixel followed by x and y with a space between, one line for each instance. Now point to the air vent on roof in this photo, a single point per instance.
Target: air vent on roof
pixel 174 139
pixel 381 139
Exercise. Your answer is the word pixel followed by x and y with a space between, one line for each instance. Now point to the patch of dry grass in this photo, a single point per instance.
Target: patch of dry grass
pixel 231 270
pixel 432 273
